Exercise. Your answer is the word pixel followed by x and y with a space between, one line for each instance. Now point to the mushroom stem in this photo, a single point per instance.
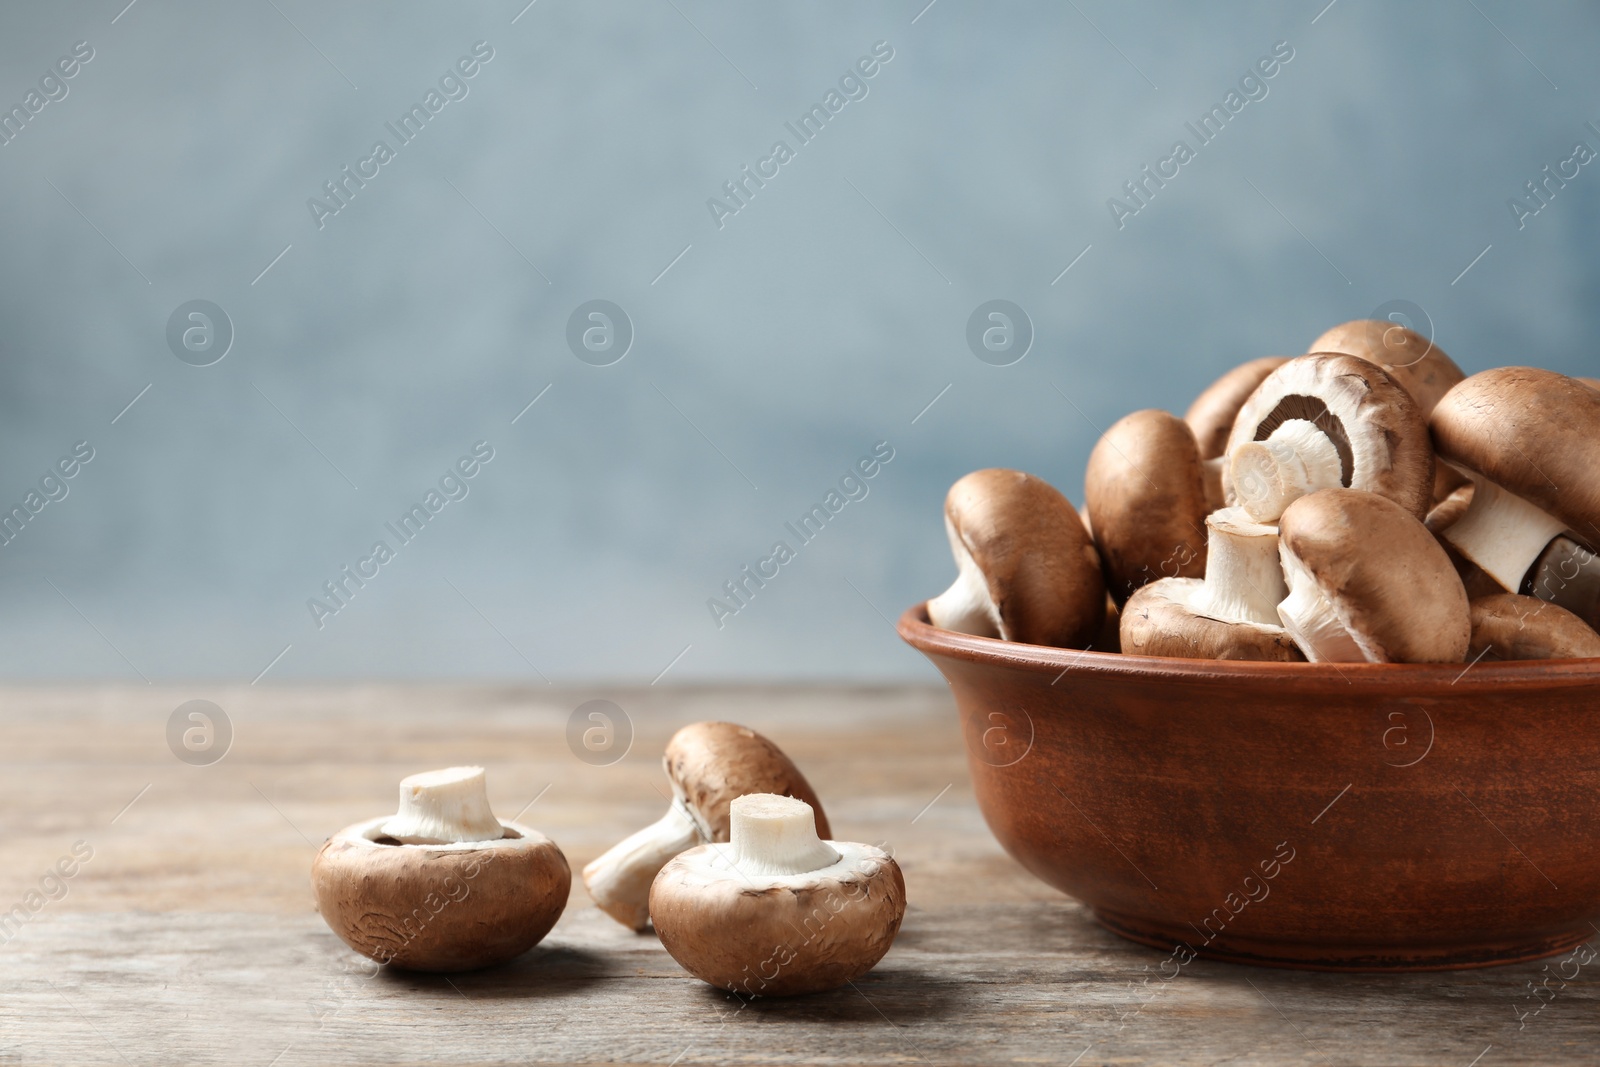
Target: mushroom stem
pixel 966 607
pixel 443 807
pixel 1502 533
pixel 619 880
pixel 1244 580
pixel 1296 459
pixel 1311 620
pixel 775 835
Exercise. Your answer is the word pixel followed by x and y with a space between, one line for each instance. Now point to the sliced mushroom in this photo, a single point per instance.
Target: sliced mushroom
pixel 1326 421
pixel 777 911
pixel 1146 495
pixel 1368 582
pixel 1508 626
pixel 709 764
pixel 1530 441
pixel 459 890
pixel 1026 568
pixel 1213 411
pixel 1230 614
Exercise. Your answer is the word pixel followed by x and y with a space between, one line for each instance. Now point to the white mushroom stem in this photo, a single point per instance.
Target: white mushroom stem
pixel 1502 533
pixel 1244 580
pixel 775 835
pixel 1296 459
pixel 619 880
pixel 1311 620
pixel 966 607
pixel 444 807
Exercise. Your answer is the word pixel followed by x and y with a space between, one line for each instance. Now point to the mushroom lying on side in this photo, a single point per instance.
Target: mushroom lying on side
pixel 1368 583
pixel 1145 492
pixel 442 885
pixel 777 911
pixel 1508 626
pixel 708 764
pixel 1326 421
pixel 1231 614
pixel 1530 441
pixel 1026 569
pixel 1419 365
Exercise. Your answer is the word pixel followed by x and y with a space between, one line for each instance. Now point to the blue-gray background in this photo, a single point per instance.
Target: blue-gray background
pixel 822 318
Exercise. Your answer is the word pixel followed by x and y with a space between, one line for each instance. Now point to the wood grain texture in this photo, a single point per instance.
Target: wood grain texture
pixel 189 935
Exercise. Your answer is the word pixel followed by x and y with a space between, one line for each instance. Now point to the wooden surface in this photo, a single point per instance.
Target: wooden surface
pixel 189 936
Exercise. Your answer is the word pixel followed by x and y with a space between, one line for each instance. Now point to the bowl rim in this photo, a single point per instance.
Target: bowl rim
pixel 915 629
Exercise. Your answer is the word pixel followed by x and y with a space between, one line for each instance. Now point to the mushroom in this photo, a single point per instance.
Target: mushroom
pixel 1592 383
pixel 1145 492
pixel 442 885
pixel 1421 367
pixel 1368 582
pixel 1508 626
pixel 1530 441
pixel 1026 569
pixel 709 764
pixel 1447 512
pixel 1326 421
pixel 1230 614
pixel 777 911
pixel 1213 411
pixel 1568 574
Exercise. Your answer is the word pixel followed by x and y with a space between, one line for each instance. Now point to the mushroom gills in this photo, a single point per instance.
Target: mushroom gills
pixel 1502 533
pixel 1311 620
pixel 444 807
pixel 1297 458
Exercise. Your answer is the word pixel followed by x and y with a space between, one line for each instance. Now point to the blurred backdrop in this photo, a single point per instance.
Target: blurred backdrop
pixel 273 339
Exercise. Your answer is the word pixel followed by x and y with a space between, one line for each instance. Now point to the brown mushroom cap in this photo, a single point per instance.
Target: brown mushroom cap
pixel 451 907
pixel 1592 383
pixel 1159 621
pixel 1534 433
pixel 1039 568
pixel 710 764
pixel 1213 411
pixel 1386 577
pixel 1444 514
pixel 1376 427
pixel 783 935
pixel 1145 492
pixel 1507 626
pixel 1418 364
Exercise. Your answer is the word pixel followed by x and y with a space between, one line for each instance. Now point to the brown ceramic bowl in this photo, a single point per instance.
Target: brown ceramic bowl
pixel 1335 817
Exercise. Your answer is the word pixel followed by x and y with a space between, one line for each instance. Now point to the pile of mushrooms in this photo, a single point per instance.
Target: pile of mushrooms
pixel 1364 502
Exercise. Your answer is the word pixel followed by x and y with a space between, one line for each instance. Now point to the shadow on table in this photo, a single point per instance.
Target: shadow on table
pixel 895 994
pixel 545 971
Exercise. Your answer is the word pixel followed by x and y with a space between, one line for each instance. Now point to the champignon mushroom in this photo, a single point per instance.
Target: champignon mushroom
pixel 1213 411
pixel 1508 626
pixel 1368 582
pixel 1447 512
pixel 778 911
pixel 1026 569
pixel 1326 421
pixel 1568 574
pixel 709 764
pixel 1146 496
pixel 1530 441
pixel 1230 614
pixel 442 885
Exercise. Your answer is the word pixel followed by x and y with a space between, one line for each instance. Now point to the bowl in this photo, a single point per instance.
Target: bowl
pixel 1348 817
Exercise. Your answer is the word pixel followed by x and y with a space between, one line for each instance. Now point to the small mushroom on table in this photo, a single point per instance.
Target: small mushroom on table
pixel 777 910
pixel 1231 614
pixel 1368 583
pixel 442 885
pixel 708 765
pixel 1508 626
pixel 1530 441
pixel 1026 569
pixel 1325 422
pixel 1145 491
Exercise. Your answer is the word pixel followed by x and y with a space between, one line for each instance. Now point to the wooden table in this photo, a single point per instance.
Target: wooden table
pixel 189 936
